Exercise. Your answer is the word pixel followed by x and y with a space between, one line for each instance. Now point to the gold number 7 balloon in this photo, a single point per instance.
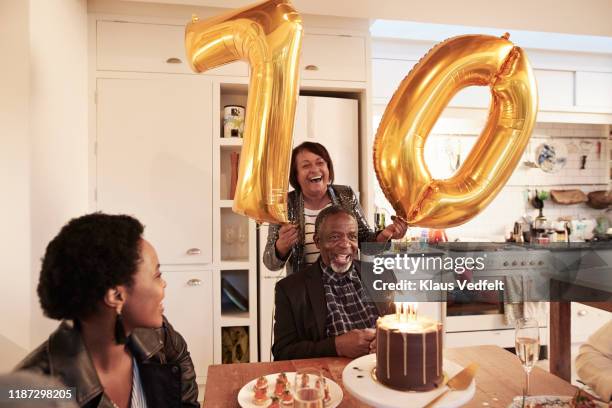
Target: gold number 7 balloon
pixel 268 36
pixel 422 95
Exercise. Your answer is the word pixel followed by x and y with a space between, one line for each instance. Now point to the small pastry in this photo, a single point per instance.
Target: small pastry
pixel 279 388
pixel 275 403
pixel 282 377
pixel 262 382
pixel 305 380
pixel 261 396
pixel 287 399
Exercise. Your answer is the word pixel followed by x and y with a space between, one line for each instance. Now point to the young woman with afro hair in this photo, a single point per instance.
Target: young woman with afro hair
pixel 101 278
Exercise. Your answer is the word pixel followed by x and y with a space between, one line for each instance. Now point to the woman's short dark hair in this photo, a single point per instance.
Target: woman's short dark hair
pixel 90 255
pixel 312 147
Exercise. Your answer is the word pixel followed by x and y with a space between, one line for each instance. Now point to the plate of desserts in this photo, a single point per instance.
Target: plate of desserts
pixel 274 391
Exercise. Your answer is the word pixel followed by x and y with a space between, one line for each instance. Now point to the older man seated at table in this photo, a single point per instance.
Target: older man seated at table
pixel 594 362
pixel 325 310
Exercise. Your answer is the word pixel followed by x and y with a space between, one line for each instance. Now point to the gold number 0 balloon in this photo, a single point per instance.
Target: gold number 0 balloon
pixel 415 107
pixel 268 36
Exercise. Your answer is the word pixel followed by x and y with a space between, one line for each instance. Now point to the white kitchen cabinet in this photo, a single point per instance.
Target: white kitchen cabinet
pixel 154 161
pixel 568 83
pixel 145 47
pixel 555 89
pixel 387 75
pixel 187 306
pixel 333 57
pixel 594 89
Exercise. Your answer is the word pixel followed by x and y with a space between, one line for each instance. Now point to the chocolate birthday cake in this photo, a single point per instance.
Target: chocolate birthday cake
pixel 409 354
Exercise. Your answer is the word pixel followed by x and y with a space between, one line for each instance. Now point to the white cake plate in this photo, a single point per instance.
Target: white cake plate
pixel 359 382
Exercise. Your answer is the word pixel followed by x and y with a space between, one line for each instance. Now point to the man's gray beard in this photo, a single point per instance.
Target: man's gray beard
pixel 341 270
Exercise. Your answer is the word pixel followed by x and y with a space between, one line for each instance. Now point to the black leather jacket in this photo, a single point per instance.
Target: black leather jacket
pixel 339 195
pixel 166 369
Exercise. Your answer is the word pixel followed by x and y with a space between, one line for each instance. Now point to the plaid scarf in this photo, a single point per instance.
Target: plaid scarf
pixel 348 306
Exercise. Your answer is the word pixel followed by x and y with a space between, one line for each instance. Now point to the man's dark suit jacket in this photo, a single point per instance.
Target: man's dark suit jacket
pixel 301 311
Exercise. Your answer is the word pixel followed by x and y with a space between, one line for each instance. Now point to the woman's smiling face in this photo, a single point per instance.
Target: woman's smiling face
pixel 143 306
pixel 312 174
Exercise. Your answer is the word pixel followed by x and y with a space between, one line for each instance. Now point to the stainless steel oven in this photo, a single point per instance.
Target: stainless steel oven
pixel 474 317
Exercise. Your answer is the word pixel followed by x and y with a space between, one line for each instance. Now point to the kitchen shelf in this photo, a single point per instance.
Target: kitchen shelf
pixel 226 203
pixel 237 344
pixel 230 141
pixel 235 319
pixel 235 249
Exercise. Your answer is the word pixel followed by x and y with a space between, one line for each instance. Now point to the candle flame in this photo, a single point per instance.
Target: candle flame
pixel 405 311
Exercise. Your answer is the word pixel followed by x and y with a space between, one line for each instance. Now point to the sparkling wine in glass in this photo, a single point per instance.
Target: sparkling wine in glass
pixel 527 340
pixel 308 389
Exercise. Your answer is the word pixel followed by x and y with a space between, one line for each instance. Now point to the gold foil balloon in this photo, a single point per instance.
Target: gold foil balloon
pixel 268 36
pixel 399 146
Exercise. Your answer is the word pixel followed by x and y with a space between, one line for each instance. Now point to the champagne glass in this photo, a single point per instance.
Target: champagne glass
pixel 242 240
pixel 527 338
pixel 229 237
pixel 309 388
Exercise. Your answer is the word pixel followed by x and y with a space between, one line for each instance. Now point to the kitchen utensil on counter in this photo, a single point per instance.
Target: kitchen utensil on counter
pixel 453 150
pixel 568 197
pixel 540 223
pixel 517 232
pixel 585 149
pixel 551 156
pixel 528 155
pixel 582 229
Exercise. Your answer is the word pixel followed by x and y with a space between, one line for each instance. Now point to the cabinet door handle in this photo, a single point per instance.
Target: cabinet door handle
pixel 194 282
pixel 194 251
pixel 311 68
pixel 174 60
pixel 582 313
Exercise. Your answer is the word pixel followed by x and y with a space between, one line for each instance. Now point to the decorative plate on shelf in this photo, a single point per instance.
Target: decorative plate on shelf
pixel 551 156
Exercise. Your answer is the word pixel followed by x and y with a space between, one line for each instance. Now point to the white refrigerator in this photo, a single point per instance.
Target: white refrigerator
pixel 333 122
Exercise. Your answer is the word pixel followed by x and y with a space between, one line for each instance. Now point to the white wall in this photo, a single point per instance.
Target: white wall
pixel 14 184
pixel 58 129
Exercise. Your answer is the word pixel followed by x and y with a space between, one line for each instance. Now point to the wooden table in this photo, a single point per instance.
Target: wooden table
pixel 499 378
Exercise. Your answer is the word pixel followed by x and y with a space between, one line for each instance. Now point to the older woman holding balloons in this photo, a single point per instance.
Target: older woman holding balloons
pixel 312 176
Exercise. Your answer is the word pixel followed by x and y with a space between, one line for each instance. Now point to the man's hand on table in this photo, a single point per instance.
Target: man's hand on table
pixel 355 343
